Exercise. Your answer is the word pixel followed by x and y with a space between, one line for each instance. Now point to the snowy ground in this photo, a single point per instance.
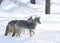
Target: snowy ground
pixel 46 32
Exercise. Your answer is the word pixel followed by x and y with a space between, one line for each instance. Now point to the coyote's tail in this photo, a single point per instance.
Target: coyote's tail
pixel 6 32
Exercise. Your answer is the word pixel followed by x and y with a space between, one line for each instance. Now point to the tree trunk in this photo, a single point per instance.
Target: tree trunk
pixel 0 2
pixel 47 7
pixel 33 1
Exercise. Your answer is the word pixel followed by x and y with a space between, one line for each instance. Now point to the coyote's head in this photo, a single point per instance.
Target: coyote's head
pixel 37 19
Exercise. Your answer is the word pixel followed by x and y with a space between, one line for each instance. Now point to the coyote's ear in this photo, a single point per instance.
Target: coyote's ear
pixel 30 18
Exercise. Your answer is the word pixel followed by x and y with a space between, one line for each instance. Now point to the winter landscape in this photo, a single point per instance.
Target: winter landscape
pixel 46 32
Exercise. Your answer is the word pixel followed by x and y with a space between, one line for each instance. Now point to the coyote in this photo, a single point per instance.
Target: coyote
pixel 11 26
pixel 17 26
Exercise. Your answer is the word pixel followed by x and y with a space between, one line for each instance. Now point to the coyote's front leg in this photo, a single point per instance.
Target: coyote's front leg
pixel 31 32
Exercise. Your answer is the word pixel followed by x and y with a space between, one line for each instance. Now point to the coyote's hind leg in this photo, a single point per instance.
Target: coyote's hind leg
pixel 19 32
pixel 13 33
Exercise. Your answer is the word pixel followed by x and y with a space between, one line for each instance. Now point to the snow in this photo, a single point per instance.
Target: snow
pixel 46 32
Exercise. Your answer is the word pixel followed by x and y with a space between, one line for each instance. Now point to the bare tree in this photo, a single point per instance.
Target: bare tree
pixel 0 1
pixel 33 1
pixel 47 7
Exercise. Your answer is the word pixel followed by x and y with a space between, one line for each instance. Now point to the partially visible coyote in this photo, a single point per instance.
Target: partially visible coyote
pixel 17 26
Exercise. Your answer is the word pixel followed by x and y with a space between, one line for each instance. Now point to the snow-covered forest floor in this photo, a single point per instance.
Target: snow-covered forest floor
pixel 46 32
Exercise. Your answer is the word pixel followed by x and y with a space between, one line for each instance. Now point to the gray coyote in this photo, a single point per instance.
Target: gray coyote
pixel 17 26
